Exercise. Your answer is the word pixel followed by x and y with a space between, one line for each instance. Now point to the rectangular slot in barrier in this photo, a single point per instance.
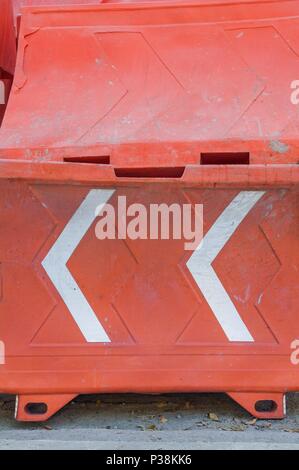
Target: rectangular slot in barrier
pixel 162 172
pixel 96 160
pixel 225 158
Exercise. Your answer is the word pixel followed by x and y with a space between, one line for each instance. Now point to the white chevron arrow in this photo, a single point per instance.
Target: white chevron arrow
pixel 55 266
pixel 200 265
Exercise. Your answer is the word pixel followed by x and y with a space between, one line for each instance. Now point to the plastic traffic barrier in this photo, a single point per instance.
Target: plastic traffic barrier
pixel 158 104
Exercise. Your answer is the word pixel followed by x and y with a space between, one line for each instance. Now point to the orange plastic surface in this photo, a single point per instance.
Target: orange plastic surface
pixel 7 38
pixel 175 77
pixel 163 103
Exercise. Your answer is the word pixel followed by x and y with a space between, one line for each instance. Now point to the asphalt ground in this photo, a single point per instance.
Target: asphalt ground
pixel 173 422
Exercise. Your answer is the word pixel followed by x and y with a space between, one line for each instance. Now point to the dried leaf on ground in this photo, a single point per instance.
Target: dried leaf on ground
pixel 237 427
pixel 188 405
pixel 47 427
pixel 250 422
pixel 161 404
pixel 151 427
pixel 163 420
pixel 213 417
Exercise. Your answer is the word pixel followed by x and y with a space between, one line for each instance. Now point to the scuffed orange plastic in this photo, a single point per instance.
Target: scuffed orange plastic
pixel 165 103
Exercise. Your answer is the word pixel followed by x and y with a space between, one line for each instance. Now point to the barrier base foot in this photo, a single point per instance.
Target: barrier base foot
pixel 261 405
pixel 40 407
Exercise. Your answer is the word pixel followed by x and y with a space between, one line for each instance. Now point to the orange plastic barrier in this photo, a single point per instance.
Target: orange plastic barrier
pixel 162 103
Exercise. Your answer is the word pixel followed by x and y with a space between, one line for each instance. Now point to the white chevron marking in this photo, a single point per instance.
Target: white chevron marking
pixel 200 265
pixel 55 266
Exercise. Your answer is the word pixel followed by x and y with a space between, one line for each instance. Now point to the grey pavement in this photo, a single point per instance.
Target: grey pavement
pixel 174 422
